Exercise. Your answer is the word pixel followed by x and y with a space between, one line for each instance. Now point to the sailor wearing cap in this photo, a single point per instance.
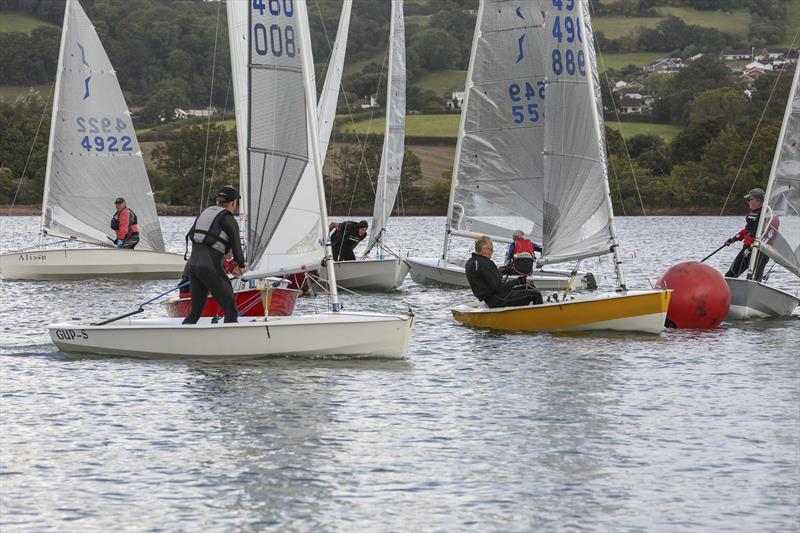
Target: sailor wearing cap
pixel 213 234
pixel 125 225
pixel 755 200
pixel 346 238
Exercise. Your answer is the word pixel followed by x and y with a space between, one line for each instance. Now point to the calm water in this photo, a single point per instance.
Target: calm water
pixel 476 431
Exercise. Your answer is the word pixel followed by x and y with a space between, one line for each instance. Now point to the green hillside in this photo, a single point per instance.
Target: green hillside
pixel 629 129
pixel 416 125
pixel 11 21
pixel 442 81
pixel 736 22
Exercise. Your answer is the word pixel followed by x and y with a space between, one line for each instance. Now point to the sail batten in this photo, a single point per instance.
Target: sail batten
pixel 94 155
pixel 778 233
pixel 498 173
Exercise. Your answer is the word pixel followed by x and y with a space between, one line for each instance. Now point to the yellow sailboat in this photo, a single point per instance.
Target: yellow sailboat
pixel 556 53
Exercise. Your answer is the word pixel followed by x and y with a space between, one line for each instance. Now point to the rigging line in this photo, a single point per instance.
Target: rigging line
pixel 621 134
pixel 30 152
pixel 210 101
pixel 327 40
pixel 758 124
pixel 219 140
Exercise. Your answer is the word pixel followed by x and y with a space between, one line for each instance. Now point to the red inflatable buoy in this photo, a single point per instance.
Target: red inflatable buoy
pixel 700 295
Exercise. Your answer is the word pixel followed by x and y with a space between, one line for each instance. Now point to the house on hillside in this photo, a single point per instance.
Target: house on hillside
pixel 368 102
pixel 750 75
pixel 765 67
pixel 633 105
pixel 623 87
pixel 734 55
pixel 180 114
pixel 665 65
pixel 455 101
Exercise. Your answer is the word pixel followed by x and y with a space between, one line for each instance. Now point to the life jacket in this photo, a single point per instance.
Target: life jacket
pixel 208 230
pixel 748 234
pixel 133 222
pixel 523 246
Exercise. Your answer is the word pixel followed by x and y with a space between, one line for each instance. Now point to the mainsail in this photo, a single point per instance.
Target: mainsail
pixel 779 226
pixel 578 218
pixel 293 242
pixel 498 172
pixel 93 156
pixel 395 133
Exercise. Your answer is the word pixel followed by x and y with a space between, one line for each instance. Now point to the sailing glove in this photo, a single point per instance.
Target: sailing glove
pixel 730 241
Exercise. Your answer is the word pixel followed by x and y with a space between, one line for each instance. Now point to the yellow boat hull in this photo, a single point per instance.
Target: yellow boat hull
pixel 643 311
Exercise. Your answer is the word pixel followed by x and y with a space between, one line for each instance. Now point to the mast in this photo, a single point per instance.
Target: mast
pixel 53 119
pixel 591 80
pixel 465 105
pixel 311 97
pixel 766 213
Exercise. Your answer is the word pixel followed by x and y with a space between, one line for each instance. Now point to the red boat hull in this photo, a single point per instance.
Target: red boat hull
pixel 251 302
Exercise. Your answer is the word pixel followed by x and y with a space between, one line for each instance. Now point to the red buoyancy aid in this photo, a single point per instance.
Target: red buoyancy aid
pixel 523 246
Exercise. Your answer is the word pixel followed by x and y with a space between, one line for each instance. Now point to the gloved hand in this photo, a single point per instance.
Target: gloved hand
pixel 119 243
pixel 730 241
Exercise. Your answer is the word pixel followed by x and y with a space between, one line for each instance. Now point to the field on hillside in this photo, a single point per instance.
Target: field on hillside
pixel 444 81
pixel 10 92
pixel 620 60
pixel 792 25
pixel 736 22
pixel 11 21
pixel 416 125
pixel 629 129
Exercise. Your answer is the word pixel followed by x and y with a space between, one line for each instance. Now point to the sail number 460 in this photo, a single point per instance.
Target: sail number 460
pixel 275 39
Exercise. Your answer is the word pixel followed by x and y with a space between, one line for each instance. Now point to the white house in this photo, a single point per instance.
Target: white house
pixel 456 100
pixel 665 65
pixel 369 102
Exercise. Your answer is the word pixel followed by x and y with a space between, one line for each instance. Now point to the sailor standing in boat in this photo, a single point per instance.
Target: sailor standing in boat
pixel 755 200
pixel 346 237
pixel 213 234
pixel 125 225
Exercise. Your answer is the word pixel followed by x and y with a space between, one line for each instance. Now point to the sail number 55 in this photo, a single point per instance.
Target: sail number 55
pixel 274 39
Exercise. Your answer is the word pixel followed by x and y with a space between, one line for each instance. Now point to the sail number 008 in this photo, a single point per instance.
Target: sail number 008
pixel 275 39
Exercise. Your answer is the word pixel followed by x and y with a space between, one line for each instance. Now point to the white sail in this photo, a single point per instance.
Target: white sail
pixel 779 226
pixel 578 218
pixel 296 242
pixel 395 133
pixel 93 156
pixel 498 171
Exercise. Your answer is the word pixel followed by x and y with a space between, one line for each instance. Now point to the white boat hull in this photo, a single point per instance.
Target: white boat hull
pixel 342 335
pixel 89 263
pixel 429 271
pixel 370 274
pixel 753 299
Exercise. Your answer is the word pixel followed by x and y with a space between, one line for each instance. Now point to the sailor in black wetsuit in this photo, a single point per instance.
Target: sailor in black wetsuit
pixel 755 200
pixel 346 238
pixel 213 233
pixel 487 285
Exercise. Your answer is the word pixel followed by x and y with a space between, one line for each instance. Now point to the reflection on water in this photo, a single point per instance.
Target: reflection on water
pixel 476 430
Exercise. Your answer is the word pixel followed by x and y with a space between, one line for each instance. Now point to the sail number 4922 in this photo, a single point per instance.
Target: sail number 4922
pixel 97 138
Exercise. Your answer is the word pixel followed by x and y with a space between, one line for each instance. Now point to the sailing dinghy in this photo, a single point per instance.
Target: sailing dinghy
pixel 577 214
pixel 93 157
pixel 497 184
pixel 778 234
pixel 282 140
pixel 385 273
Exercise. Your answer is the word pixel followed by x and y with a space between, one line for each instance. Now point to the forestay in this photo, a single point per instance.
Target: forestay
pixel 578 220
pixel 94 155
pixel 779 226
pixel 498 172
pixel 395 133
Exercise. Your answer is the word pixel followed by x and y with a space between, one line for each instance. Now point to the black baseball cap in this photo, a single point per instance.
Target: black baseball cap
pixel 228 194
pixel 119 200
pixel 758 194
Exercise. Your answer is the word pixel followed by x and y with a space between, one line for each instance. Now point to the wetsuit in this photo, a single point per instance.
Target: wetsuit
pixel 487 286
pixel 126 226
pixel 205 266
pixel 344 240
pixel 748 236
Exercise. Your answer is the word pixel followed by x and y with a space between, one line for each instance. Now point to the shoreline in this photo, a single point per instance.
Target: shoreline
pixel 185 210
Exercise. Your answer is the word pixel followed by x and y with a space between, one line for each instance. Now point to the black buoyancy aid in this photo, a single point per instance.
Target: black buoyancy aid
pixel 132 220
pixel 208 230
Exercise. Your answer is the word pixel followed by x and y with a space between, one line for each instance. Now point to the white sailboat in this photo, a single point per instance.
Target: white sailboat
pixel 93 157
pixel 385 273
pixel 498 171
pixel 578 221
pixel 778 234
pixel 282 140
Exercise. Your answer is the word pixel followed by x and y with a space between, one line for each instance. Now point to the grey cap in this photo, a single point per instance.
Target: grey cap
pixel 755 193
